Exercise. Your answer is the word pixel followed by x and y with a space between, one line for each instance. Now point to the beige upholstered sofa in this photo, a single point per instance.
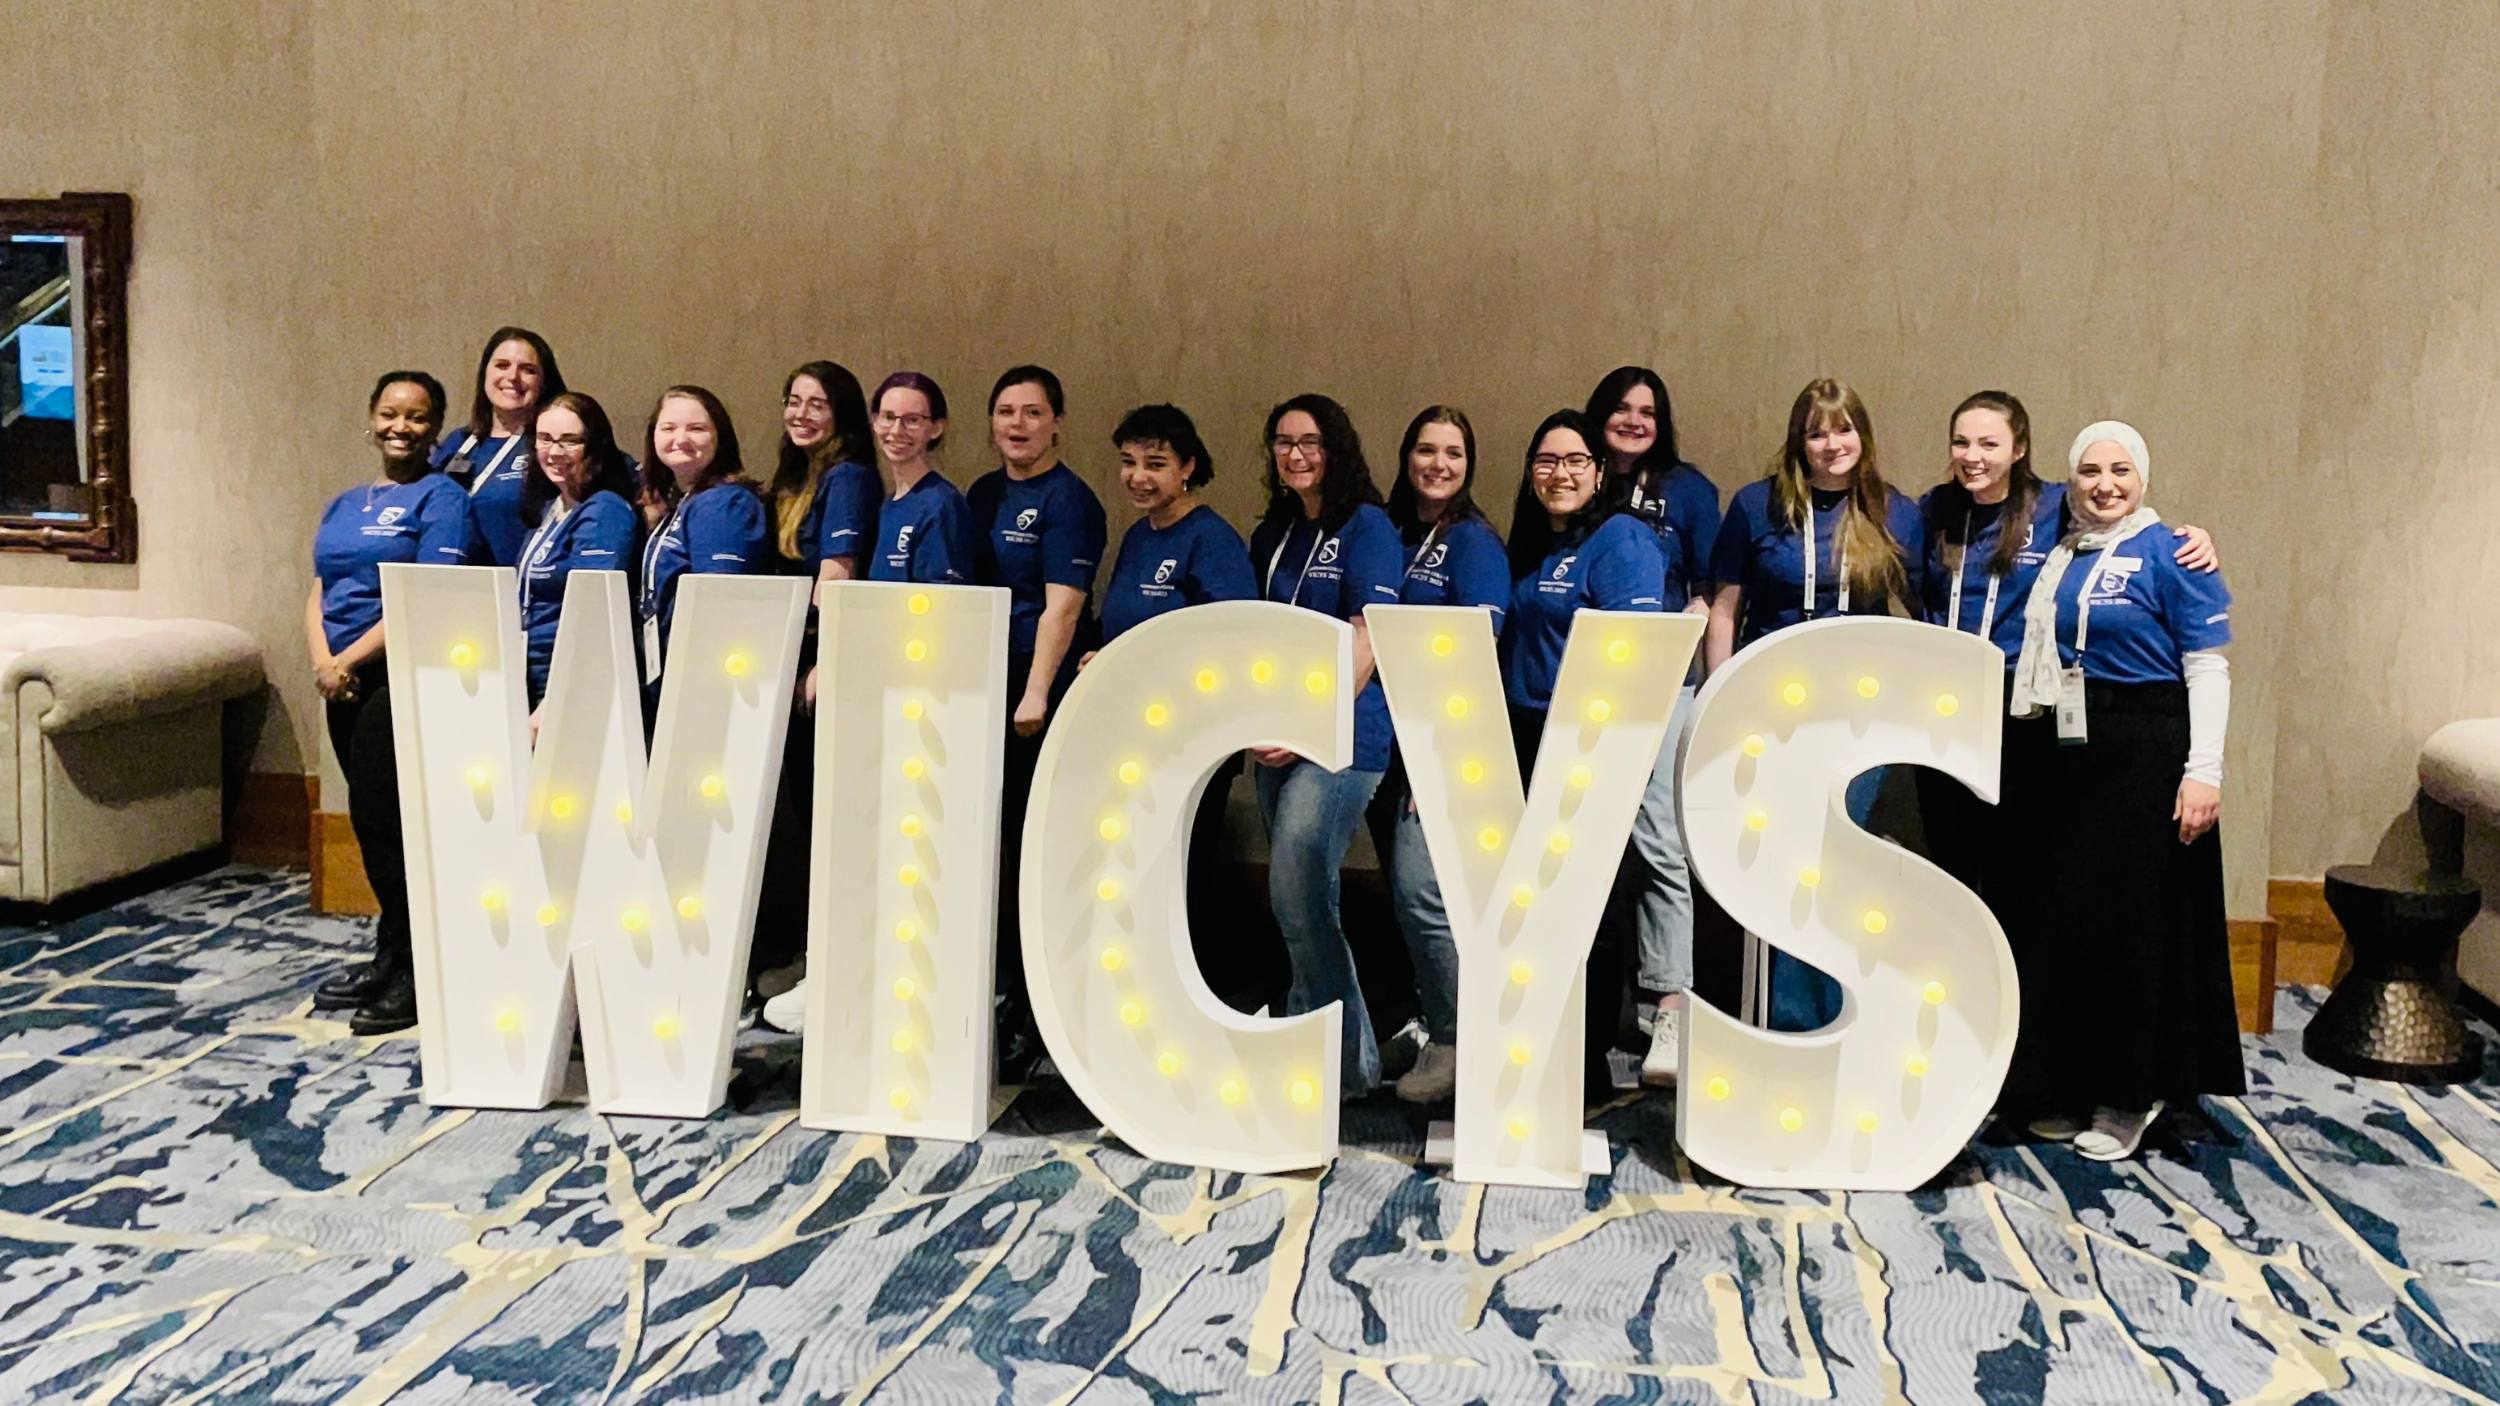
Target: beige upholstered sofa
pixel 113 751
pixel 2460 776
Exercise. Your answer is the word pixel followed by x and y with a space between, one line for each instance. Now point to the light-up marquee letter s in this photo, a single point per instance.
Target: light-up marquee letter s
pixel 911 727
pixel 1524 876
pixel 635 877
pixel 1883 1098
pixel 1116 989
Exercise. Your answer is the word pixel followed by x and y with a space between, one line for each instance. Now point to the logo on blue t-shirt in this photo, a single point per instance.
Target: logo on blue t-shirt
pixel 1432 559
pixel 1562 568
pixel 1164 572
pixel 2111 584
pixel 388 516
pixel 902 541
pixel 1025 519
pixel 1328 551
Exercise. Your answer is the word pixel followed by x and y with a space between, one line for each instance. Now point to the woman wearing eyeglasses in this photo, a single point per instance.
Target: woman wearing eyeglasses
pixel 582 501
pixel 490 456
pixel 924 527
pixel 1820 535
pixel 1325 545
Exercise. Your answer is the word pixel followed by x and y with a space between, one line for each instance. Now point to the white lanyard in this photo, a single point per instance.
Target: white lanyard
pixel 2083 602
pixel 1953 607
pixel 1840 563
pixel 651 559
pixel 1279 555
pixel 1422 549
pixel 539 541
pixel 479 481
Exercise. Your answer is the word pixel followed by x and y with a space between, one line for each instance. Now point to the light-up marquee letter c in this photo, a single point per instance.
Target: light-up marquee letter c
pixel 1116 988
pixel 1883 1098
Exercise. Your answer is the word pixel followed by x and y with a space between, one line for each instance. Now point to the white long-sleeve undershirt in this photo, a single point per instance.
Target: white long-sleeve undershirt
pixel 2209 713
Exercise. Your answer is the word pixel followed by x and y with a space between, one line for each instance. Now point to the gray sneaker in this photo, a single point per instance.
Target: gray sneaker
pixel 1434 1077
pixel 1666 1053
pixel 1399 1052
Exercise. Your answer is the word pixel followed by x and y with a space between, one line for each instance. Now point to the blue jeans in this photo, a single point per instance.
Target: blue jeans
pixel 1311 816
pixel 1416 893
pixel 1662 905
pixel 1803 998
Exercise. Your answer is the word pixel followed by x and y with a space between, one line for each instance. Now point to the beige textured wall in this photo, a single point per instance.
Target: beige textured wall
pixel 2096 207
pixel 2397 582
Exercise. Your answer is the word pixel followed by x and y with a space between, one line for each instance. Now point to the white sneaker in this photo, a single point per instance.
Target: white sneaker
pixel 787 1012
pixel 1665 1058
pixel 2116 1133
pixel 1434 1077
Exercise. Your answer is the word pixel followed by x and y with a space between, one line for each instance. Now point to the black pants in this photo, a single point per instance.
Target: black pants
pixel 781 911
pixel 360 732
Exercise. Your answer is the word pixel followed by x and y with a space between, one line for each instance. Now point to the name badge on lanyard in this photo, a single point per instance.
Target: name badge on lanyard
pixel 2071 730
pixel 1953 606
pixel 482 475
pixel 1840 563
pixel 1307 558
pixel 651 594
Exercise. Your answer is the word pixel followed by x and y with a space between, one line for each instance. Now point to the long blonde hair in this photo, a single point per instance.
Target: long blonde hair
pixel 1871 556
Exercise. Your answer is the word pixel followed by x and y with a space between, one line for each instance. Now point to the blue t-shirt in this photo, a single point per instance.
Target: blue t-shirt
pixel 1616 567
pixel 925 535
pixel 1767 558
pixel 1034 533
pixel 1337 574
pixel 1196 560
pixel 2147 610
pixel 493 469
pixel 596 536
pixel 719 531
pixel 428 522
pixel 2013 589
pixel 842 522
pixel 1462 566
pixel 1684 513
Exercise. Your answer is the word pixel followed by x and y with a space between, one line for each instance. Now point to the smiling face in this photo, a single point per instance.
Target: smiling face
pixel 1023 426
pixel 513 377
pixel 1152 475
pixel 1562 472
pixel 1632 426
pixel 404 424
pixel 1984 451
pixel 807 412
pixel 685 438
pixel 904 427
pixel 1301 460
pixel 562 451
pixel 1437 465
pixel 2107 485
pixel 1833 448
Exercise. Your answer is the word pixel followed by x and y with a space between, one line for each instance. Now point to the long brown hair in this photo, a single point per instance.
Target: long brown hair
pixel 1871 557
pixel 799 473
pixel 1950 507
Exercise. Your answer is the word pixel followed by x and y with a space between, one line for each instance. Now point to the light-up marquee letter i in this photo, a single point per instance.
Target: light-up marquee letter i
pixel 636 878
pixel 1883 1098
pixel 1116 988
pixel 1524 876
pixel 911 726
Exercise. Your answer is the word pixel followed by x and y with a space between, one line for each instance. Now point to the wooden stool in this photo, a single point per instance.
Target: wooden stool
pixel 2387 1018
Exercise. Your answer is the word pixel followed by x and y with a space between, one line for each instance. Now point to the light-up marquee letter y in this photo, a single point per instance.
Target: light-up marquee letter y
pixel 1524 876
pixel 1116 988
pixel 635 877
pixel 1883 1098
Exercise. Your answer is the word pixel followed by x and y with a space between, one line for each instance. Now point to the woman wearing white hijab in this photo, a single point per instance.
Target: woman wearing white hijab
pixel 2122 647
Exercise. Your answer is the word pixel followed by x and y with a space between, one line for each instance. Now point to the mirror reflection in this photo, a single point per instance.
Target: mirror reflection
pixel 43 462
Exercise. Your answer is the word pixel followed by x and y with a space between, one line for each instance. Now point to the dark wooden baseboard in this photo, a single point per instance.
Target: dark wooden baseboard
pixel 272 822
pixel 2313 942
pixel 338 868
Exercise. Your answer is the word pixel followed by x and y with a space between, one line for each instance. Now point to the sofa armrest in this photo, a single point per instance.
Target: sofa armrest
pixel 123 678
pixel 2460 768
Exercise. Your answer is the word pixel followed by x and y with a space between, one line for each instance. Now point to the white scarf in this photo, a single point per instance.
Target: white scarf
pixel 2036 683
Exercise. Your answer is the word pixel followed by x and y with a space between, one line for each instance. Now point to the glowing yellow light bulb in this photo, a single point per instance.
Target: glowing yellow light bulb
pixel 1559 842
pixel 1521 895
pixel 710 786
pixel 1456 706
pixel 915 650
pixel 1132 1013
pixel 477 778
pixel 905 988
pixel 1471 771
pixel 1316 681
pixel 632 920
pixel 908 876
pixel 491 900
pixel 1205 679
pixel 1157 715
pixel 1875 920
pixel 1521 973
pixel 1869 685
pixel 1262 672
pixel 903 1041
pixel 1757 820
pixel 624 812
pixel 561 807
pixel 1808 877
pixel 913 710
pixel 690 907
pixel 907 931
pixel 1791 1120
pixel 1866 1122
pixel 1520 1053
pixel 1231 1091
pixel 736 664
pixel 463 655
pixel 1113 959
pixel 1718 1088
pixel 508 1019
pixel 1580 778
pixel 1517 1128
pixel 1618 651
pixel 1753 744
pixel 1167 1064
pixel 1947 705
pixel 898 1097
pixel 1303 1092
pixel 1111 828
pixel 1442 645
pixel 1131 773
pixel 910 826
pixel 1489 838
pixel 1600 710
pixel 1108 890
pixel 1933 993
pixel 547 915
pixel 914 768
pixel 1915 1066
pixel 1794 695
pixel 918 604
pixel 664 1027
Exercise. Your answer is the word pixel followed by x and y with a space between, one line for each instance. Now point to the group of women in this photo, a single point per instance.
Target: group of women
pixel 2105 857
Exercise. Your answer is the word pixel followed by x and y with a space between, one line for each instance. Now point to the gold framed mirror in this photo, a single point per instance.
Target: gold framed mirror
pixel 64 379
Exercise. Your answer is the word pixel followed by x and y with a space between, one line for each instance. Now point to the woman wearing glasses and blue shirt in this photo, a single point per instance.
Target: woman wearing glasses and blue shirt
pixel 1324 545
pixel 581 500
pixel 924 527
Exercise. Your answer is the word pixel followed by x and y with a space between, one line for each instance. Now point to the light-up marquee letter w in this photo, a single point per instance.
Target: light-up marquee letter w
pixel 1524 876
pixel 1116 989
pixel 1883 1098
pixel 636 877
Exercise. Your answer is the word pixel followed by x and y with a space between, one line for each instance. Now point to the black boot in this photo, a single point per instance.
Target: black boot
pixel 352 987
pixel 393 1006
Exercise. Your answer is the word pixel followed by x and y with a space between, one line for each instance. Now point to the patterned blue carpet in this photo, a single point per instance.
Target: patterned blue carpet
pixel 207 1194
